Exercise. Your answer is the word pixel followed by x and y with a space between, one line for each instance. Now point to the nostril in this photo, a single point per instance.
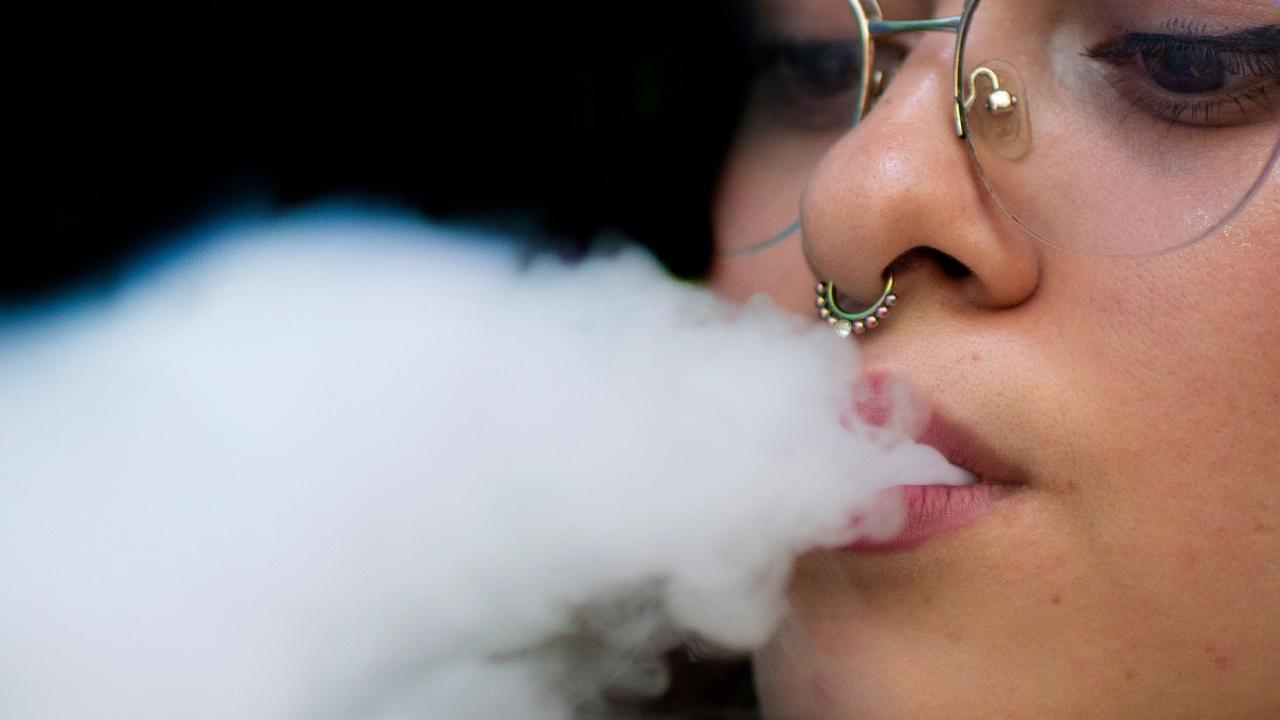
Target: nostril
pixel 952 267
pixel 948 264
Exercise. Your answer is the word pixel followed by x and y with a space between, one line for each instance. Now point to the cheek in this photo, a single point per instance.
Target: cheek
pixel 1175 361
pixel 1178 354
pixel 780 273
pixel 1177 348
pixel 815 670
pixel 1188 341
pixel 749 208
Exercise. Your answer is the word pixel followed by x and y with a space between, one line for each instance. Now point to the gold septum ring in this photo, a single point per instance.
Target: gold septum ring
pixel 854 323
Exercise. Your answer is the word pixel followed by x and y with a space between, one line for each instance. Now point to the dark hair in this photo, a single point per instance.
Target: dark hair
pixel 566 117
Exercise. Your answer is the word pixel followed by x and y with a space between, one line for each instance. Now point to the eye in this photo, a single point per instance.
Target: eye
pixel 811 85
pixel 1190 66
pixel 820 69
pixel 1187 70
pixel 1210 80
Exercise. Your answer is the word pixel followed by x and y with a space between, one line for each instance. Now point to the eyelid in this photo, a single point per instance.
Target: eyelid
pixel 1259 41
pixel 1251 64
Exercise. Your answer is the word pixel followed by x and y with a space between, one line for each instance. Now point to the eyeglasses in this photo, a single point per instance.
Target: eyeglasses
pixel 1107 127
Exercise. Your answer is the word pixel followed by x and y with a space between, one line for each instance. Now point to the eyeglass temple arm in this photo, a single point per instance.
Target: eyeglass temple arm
pixel 897 27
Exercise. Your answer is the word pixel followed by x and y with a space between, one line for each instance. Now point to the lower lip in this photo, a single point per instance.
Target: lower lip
pixel 933 510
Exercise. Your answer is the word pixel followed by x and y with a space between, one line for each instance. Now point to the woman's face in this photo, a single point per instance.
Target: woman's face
pixel 1135 570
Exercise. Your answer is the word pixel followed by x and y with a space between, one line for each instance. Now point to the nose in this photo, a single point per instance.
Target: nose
pixel 901 195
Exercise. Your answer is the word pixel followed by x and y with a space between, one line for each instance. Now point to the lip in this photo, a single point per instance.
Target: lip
pixel 933 510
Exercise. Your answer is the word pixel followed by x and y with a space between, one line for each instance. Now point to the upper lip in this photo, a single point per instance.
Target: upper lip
pixel 880 402
pixel 963 449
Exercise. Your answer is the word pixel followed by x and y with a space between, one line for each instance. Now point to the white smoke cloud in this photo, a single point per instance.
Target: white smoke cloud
pixel 350 465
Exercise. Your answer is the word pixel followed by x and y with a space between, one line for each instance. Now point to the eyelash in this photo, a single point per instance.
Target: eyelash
pixel 1228 110
pixel 1255 57
pixel 1255 61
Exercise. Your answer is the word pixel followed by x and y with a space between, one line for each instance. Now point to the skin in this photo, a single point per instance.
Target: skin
pixel 1138 574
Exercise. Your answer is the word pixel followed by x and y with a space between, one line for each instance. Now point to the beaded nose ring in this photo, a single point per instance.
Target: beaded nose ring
pixel 855 323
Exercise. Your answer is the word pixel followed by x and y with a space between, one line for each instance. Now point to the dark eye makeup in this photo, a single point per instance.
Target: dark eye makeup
pixel 1196 79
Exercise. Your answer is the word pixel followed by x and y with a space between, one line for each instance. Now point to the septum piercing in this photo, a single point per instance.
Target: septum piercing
pixel 856 323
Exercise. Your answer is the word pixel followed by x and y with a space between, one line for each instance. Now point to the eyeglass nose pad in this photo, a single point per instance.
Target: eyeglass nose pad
pixel 1003 122
pixel 877 85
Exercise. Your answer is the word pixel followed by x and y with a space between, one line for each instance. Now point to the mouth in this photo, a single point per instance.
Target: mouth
pixel 934 510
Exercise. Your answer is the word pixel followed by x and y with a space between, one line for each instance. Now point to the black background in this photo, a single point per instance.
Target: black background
pixel 566 116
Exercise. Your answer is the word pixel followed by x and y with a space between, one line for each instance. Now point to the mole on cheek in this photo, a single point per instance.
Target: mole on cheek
pixel 1221 658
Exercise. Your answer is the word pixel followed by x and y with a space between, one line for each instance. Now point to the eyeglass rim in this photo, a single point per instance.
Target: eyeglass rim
pixel 962 130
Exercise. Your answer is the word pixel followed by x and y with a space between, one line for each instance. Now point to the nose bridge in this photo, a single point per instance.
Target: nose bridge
pixel 904 155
